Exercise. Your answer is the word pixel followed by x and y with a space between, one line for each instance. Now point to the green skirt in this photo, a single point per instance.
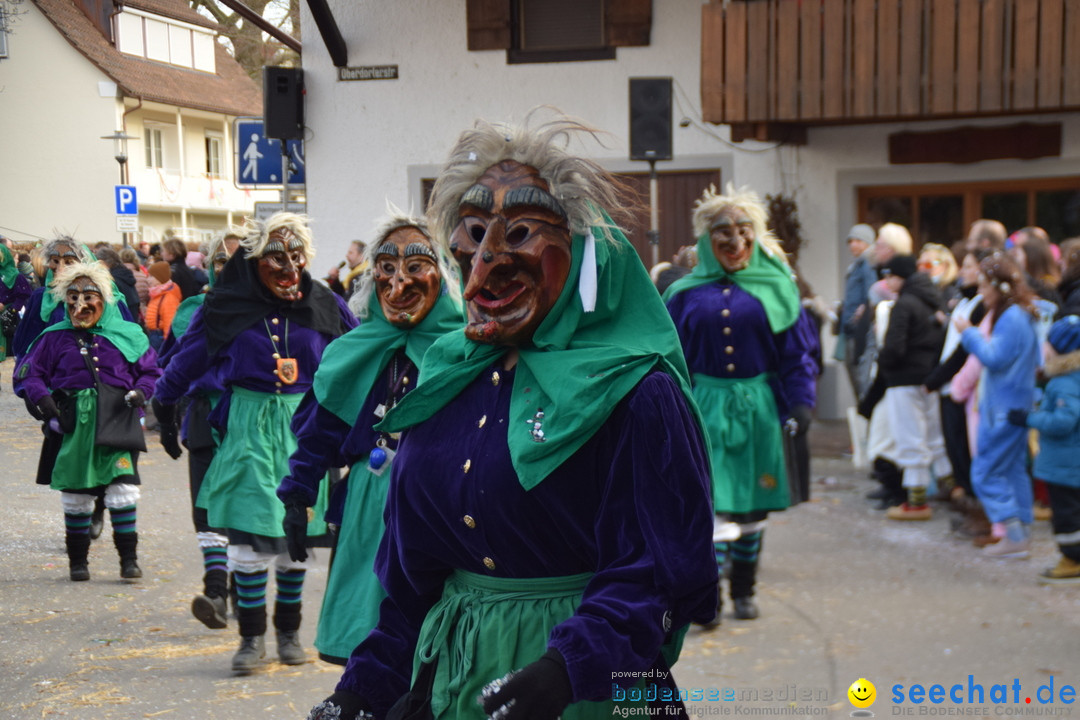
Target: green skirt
pixel 350 606
pixel 80 464
pixel 239 491
pixel 484 627
pixel 746 441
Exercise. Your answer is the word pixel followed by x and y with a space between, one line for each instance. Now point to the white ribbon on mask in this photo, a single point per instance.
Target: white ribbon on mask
pixel 587 277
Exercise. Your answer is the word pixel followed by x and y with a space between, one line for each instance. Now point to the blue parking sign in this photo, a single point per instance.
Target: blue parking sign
pixel 258 158
pixel 127 202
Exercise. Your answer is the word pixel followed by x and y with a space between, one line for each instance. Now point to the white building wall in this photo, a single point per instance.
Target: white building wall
pixel 58 175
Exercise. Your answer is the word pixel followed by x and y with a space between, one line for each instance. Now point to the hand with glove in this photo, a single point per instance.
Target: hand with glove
pixel 1017 416
pixel 800 419
pixel 135 399
pixel 295 527
pixel 47 408
pixel 167 428
pixel 539 691
pixel 341 705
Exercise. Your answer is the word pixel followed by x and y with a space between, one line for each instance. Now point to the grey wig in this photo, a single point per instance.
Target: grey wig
pixel 257 234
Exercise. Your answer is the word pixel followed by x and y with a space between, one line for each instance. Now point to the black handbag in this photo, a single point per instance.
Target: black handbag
pixel 9 320
pixel 118 424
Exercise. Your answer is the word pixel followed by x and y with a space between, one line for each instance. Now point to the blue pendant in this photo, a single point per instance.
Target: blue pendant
pixel 377 458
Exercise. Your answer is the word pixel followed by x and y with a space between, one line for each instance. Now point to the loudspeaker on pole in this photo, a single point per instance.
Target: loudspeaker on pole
pixel 650 118
pixel 283 103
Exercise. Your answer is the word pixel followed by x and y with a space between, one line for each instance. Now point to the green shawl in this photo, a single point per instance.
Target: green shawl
pixel 580 365
pixel 186 309
pixel 127 336
pixel 352 363
pixel 9 272
pixel 767 278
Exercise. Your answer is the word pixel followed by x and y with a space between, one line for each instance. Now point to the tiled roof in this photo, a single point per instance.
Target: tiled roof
pixel 176 9
pixel 229 91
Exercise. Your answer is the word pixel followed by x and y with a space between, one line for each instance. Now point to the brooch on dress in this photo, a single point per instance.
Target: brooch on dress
pixel 537 431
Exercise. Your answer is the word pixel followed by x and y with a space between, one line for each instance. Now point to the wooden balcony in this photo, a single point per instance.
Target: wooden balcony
pixel 770 68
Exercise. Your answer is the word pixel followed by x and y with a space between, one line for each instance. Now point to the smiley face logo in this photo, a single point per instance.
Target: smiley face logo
pixel 862 693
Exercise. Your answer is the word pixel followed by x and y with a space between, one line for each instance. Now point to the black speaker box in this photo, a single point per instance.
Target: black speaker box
pixel 283 103
pixel 650 118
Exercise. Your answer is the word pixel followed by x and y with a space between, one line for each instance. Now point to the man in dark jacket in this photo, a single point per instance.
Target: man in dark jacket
pixel 174 253
pixel 912 346
pixel 124 278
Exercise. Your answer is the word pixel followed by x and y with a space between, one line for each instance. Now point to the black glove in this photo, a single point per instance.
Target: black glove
pixel 168 431
pixel 341 705
pixel 135 399
pixel 1017 416
pixel 295 527
pixel 538 691
pixel 802 415
pixel 47 408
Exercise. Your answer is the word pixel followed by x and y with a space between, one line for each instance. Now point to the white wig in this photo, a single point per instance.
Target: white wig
pixel 96 272
pixel 582 188
pixel 257 234
pixel 712 204
pixel 395 219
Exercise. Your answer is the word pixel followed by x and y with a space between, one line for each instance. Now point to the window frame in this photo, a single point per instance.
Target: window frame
pixel 151 132
pixel 218 141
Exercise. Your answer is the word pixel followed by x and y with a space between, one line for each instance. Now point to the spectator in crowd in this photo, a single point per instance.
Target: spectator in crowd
pixel 174 253
pixel 164 299
pixel 124 278
pixel 130 258
pixel 986 235
pixel 1034 257
pixel 939 264
pixel 354 258
pixel 1069 287
pixel 855 313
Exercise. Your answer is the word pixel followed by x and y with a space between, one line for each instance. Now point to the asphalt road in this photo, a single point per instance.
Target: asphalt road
pixel 844 594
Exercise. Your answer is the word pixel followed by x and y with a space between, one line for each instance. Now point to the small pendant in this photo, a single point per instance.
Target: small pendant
pixel 537 423
pixel 380 457
pixel 380 410
pixel 288 370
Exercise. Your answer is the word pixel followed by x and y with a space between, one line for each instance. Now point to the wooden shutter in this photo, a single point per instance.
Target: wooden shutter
pixel 488 24
pixel 629 22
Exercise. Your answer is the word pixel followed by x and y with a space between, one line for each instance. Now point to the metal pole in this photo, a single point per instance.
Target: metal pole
pixel 123 181
pixel 654 212
pixel 284 175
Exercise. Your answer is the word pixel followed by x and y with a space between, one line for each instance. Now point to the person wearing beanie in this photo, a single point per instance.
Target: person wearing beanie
pixel 1058 461
pixel 855 316
pixel 165 297
pixel 908 355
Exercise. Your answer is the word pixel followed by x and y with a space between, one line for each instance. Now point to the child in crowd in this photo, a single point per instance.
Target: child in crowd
pixel 1058 461
pixel 165 297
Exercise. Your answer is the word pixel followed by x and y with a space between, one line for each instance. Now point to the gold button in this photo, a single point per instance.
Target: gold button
pixel 489 563
pixel 731 367
pixel 277 384
pixel 405 380
pixel 276 356
pixel 481 422
pixel 727 331
pixel 467 465
pixel 275 338
pixel 469 521
pixel 727 291
pixel 95 358
pixel 278 392
pixel 495 378
pixel 725 312
pixel 729 350
pixel 275 321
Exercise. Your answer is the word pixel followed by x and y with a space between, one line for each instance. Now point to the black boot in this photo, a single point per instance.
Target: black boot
pixel 126 543
pixel 287 618
pixel 252 648
pixel 892 483
pixel 97 518
pixel 211 608
pixel 743 578
pixel 78 548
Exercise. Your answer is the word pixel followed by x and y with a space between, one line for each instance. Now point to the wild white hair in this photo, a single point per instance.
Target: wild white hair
pixel 256 233
pixel 96 272
pixel 582 187
pixel 396 219
pixel 711 204
pixel 81 250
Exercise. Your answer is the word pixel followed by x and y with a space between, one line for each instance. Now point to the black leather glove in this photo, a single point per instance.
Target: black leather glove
pixel 168 431
pixel 802 416
pixel 165 414
pixel 341 705
pixel 1017 416
pixel 47 408
pixel 295 527
pixel 135 399
pixel 538 691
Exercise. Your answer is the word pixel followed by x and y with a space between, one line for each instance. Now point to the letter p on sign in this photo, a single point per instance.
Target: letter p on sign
pixel 126 201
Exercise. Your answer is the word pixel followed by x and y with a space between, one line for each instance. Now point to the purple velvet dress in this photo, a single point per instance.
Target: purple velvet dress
pixel 455 504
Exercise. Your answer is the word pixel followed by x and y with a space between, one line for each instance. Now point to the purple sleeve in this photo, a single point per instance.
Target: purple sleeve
pixel 655 568
pixel 320 436
pixel 33 371
pixel 146 372
pixel 798 371
pixel 190 362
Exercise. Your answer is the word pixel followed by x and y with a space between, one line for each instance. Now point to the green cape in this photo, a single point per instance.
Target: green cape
pixel 352 363
pixel 8 270
pixel 578 368
pixel 767 278
pixel 127 336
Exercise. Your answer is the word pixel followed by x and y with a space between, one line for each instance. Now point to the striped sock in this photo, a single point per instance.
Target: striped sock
pixel 290 586
pixel 916 496
pixel 123 519
pixel 747 548
pixel 250 589
pixel 77 524
pixel 215 558
pixel 720 551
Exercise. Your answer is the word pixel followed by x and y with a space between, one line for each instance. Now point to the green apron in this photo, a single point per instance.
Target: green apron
pixel 240 488
pixel 350 606
pixel 80 464
pixel 484 627
pixel 746 444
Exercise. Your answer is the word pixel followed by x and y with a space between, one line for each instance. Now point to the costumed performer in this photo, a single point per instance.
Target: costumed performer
pixel 14 291
pixel 262 329
pixel 737 316
pixel 548 515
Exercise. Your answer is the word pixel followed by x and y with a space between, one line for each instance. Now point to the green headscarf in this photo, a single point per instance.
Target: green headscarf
pixel 9 272
pixel 351 363
pixel 48 302
pixel 580 365
pixel 186 309
pixel 127 336
pixel 767 278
